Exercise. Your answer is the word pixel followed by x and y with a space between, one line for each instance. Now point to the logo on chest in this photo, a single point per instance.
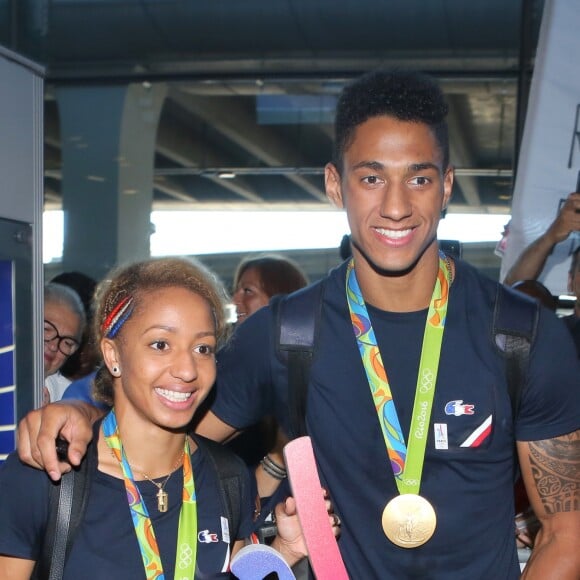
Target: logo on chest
pixel 458 408
pixel 207 537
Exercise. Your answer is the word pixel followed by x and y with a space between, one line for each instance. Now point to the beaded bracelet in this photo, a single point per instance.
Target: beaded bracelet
pixel 273 469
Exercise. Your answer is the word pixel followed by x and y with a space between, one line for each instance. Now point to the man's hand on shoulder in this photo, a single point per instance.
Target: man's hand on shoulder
pixel 39 429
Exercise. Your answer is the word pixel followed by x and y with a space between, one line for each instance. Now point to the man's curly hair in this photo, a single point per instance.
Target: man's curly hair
pixel 404 95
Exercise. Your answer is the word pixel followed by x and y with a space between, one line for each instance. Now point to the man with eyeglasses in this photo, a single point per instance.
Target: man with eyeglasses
pixel 64 321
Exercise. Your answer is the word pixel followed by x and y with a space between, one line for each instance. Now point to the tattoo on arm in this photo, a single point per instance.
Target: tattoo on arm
pixel 555 465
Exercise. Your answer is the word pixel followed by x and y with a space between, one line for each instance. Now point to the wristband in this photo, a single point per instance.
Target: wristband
pixel 273 469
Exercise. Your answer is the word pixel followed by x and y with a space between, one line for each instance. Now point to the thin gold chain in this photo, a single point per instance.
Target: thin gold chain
pixel 173 469
pixel 162 496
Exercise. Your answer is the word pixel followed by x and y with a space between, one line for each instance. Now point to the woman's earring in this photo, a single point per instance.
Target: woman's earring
pixel 116 371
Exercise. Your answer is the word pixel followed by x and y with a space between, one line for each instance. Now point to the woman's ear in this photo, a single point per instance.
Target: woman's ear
pixel 110 354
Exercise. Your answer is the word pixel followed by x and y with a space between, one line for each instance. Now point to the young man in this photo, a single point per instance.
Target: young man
pixel 424 486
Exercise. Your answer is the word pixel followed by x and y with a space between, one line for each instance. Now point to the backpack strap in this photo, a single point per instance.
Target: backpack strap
pixel 297 318
pixel 67 502
pixel 515 321
pixel 232 477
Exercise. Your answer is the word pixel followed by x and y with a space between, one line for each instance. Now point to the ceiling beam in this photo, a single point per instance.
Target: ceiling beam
pixel 461 156
pixel 179 143
pixel 172 189
pixel 232 120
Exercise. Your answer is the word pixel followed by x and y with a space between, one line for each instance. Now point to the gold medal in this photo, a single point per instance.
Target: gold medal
pixel 409 520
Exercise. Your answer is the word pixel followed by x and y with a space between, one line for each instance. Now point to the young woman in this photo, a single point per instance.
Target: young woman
pixel 259 278
pixel 154 508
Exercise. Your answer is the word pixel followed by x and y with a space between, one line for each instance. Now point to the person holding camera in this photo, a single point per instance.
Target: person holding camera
pixel 533 259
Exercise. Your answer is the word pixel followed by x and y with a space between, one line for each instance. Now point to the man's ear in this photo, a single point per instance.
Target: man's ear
pixel 110 353
pixel 332 184
pixel 447 187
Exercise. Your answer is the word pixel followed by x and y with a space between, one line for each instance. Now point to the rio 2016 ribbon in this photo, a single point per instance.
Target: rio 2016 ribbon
pixel 406 461
pixel 186 551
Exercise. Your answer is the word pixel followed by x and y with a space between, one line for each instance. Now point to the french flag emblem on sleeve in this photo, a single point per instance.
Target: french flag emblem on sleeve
pixel 479 435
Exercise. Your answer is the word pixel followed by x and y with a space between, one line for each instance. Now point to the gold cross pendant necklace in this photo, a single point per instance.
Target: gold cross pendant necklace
pixel 162 495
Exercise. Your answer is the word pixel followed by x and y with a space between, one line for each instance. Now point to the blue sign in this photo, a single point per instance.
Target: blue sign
pixel 7 375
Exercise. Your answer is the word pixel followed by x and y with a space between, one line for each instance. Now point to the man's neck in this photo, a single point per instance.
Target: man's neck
pixel 408 292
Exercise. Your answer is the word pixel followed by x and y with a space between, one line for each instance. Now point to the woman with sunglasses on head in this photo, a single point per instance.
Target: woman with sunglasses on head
pixel 154 508
pixel 64 322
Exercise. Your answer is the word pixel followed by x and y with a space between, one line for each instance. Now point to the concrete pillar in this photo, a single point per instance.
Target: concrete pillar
pixel 108 139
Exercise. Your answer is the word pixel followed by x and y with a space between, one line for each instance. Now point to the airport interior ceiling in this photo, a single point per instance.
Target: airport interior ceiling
pixel 251 86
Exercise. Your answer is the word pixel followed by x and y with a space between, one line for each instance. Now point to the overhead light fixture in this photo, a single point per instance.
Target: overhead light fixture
pixel 226 175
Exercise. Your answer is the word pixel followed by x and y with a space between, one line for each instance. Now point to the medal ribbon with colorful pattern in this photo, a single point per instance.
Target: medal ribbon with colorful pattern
pixel 186 552
pixel 406 462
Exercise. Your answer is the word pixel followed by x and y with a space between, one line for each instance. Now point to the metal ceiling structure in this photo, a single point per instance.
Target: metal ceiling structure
pixel 247 120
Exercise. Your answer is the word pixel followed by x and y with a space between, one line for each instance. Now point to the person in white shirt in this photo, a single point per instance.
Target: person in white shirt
pixel 64 322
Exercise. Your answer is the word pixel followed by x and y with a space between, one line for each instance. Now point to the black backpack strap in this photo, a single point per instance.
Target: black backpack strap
pixel 66 506
pixel 51 563
pixel 297 319
pixel 515 320
pixel 232 477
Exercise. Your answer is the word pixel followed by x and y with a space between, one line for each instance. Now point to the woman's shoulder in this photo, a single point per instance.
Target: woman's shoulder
pixel 23 490
pixel 231 481
pixel 13 471
pixel 223 460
